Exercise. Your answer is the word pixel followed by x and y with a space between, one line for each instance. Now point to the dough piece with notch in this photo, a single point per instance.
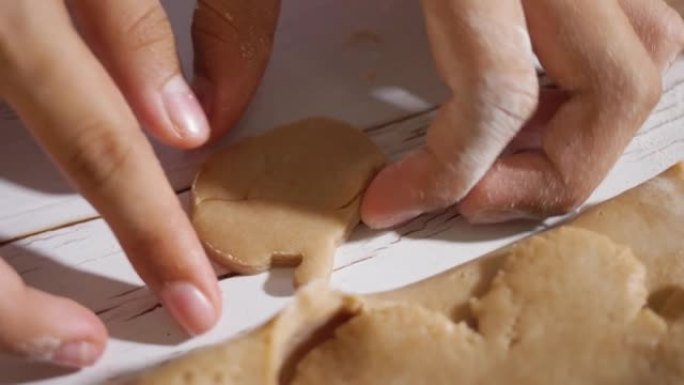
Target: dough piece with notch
pixel 288 197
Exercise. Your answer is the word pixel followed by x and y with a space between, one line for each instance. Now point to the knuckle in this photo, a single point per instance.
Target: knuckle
pixel 142 244
pixel 149 28
pixel 634 88
pixel 669 27
pixel 645 88
pixel 97 156
pixel 572 196
pixel 508 100
pixel 571 200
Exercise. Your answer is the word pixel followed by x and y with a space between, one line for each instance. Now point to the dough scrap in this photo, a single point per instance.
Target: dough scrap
pixel 288 197
pixel 647 218
pixel 590 302
pixel 261 356
pixel 566 308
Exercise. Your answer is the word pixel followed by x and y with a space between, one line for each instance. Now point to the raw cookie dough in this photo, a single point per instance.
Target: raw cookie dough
pixel 262 356
pixel 287 197
pixel 590 302
pixel 566 308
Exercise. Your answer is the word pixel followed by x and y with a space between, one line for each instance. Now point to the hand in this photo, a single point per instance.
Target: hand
pixel 605 56
pixel 80 95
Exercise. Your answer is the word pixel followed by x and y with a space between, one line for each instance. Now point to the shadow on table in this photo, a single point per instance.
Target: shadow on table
pixel 22 161
pixel 280 282
pixel 15 371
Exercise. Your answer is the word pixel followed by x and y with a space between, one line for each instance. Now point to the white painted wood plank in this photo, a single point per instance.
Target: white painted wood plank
pixel 362 61
pixel 85 255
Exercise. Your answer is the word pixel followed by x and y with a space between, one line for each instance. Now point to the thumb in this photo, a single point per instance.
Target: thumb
pixel 43 327
pixel 233 42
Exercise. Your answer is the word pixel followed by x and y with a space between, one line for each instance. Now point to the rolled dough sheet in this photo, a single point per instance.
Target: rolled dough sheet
pixel 288 197
pixel 263 355
pixel 598 300
pixel 567 307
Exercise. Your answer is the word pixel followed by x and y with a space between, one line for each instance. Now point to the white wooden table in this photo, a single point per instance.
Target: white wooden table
pixel 366 62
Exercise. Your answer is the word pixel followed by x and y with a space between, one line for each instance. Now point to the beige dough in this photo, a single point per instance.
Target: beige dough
pixel 288 197
pixel 599 300
pixel 566 308
pixel 264 355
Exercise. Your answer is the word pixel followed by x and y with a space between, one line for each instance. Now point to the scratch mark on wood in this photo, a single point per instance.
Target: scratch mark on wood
pixel 105 310
pixel 416 134
pixel 660 149
pixel 672 85
pixel 146 311
pixel 665 108
pixel 402 119
pixel 226 276
pixel 356 261
pixel 130 291
pixel 665 123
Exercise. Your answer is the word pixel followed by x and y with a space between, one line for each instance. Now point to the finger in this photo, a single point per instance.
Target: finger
pixel 659 27
pixel 484 56
pixel 530 136
pixel 44 327
pixel 134 40
pixel 97 143
pixel 677 5
pixel 613 85
pixel 233 41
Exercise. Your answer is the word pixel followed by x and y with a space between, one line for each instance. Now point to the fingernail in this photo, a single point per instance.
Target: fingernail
pixel 184 110
pixel 204 92
pixel 76 354
pixel 189 306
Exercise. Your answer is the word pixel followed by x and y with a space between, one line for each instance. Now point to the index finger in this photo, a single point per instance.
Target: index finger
pixel 73 108
pixel 484 55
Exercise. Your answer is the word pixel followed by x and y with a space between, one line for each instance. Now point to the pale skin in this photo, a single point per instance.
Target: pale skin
pixel 606 57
